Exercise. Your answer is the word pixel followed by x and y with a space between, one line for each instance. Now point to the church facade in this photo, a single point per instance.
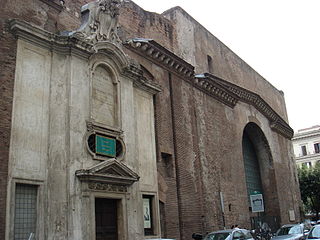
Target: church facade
pixel 134 125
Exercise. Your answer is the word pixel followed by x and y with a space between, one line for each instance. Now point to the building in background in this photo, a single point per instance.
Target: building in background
pixel 134 125
pixel 306 146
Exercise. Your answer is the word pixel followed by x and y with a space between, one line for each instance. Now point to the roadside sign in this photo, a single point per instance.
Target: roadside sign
pixel 256 201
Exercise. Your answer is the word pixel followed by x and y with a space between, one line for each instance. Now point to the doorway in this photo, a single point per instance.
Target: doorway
pixel 106 219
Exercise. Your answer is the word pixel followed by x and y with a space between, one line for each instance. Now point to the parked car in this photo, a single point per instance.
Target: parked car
pixel 314 233
pixel 291 232
pixel 313 223
pixel 230 234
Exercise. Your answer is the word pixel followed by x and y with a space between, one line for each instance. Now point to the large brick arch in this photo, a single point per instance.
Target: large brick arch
pixel 266 169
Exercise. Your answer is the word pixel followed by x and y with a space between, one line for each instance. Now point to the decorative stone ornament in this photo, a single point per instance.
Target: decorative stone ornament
pixel 108 172
pixel 94 129
pixel 99 22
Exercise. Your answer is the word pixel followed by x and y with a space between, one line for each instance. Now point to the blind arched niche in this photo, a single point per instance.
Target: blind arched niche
pixel 104 96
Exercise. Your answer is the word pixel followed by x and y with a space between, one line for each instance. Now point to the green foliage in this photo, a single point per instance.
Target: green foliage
pixel 309 179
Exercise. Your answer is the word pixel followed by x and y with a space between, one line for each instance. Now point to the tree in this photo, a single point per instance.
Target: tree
pixel 309 179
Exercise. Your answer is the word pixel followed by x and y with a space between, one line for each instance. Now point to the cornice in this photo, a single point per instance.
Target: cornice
pixel 277 124
pixel 315 156
pixel 310 134
pixel 157 53
pixel 215 90
pixel 53 4
pixel 71 44
pixel 140 81
pixel 59 43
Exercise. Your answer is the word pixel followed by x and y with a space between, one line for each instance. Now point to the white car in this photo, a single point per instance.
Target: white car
pixel 230 234
pixel 291 232
pixel 314 233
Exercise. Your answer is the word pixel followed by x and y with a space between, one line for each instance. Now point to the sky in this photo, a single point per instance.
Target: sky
pixel 280 39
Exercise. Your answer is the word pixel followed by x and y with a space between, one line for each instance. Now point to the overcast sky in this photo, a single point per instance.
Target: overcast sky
pixel 280 39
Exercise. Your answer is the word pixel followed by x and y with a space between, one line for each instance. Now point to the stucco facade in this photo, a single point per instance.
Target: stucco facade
pixel 306 146
pixel 174 100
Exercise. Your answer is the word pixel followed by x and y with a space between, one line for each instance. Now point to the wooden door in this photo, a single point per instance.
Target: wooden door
pixel 106 219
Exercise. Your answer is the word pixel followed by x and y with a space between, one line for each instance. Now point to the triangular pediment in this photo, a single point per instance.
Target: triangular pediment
pixel 109 171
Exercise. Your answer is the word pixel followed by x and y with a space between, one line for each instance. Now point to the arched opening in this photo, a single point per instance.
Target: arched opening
pixel 251 166
pixel 259 173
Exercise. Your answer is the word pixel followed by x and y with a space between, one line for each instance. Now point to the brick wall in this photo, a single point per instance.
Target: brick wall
pixel 166 159
pixel 207 135
pixel 135 22
pixel 189 181
pixel 7 69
